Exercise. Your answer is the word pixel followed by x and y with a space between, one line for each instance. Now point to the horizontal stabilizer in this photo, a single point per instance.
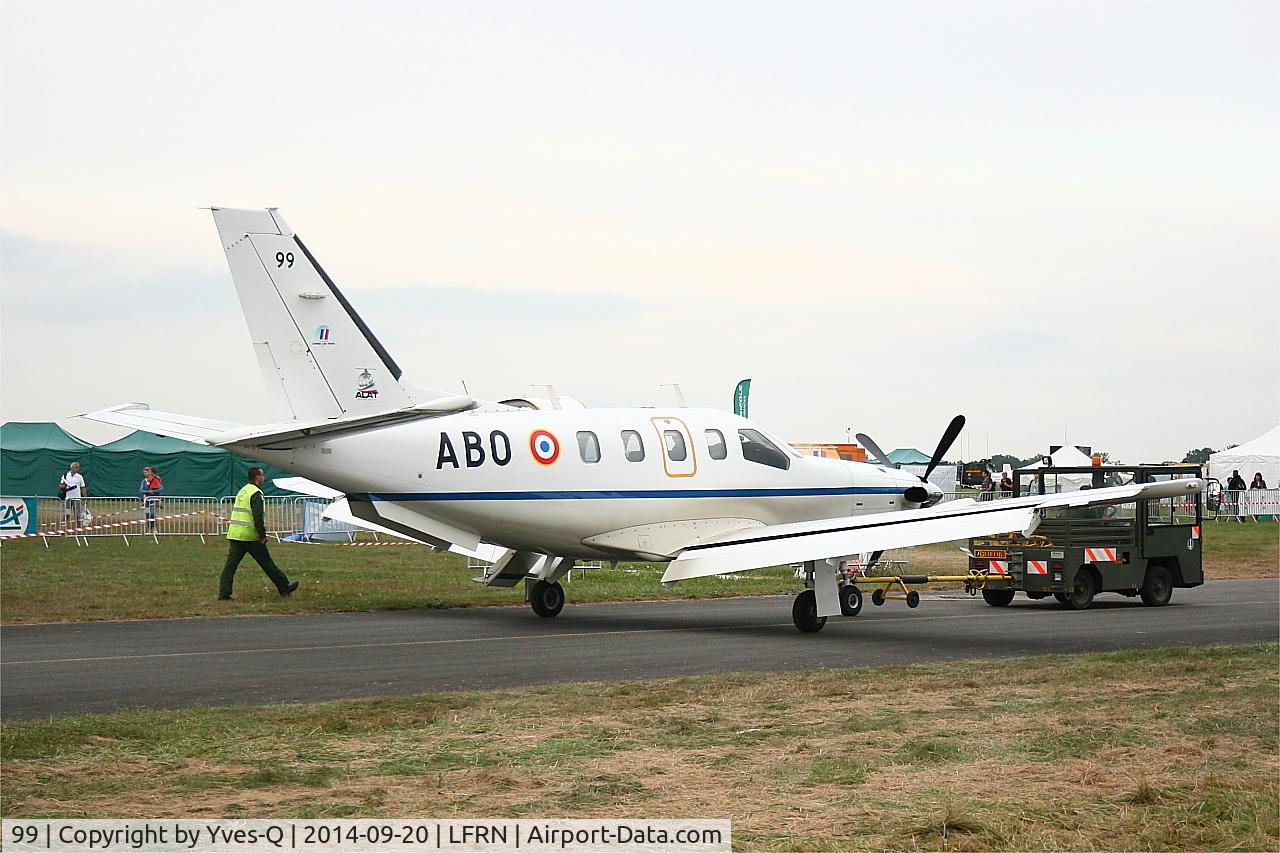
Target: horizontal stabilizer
pixel 280 436
pixel 140 416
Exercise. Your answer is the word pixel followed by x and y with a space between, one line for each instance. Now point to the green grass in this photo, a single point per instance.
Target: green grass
pixel 809 761
pixel 109 579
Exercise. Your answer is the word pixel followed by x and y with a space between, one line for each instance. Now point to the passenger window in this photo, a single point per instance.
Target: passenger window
pixel 632 446
pixel 676 450
pixel 715 444
pixel 757 448
pixel 588 447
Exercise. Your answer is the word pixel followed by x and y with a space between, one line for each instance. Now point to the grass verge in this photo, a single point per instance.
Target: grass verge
pixel 1160 749
pixel 109 579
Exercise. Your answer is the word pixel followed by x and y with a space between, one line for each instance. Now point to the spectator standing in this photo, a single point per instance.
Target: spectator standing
pixel 73 489
pixel 1258 482
pixel 150 490
pixel 1235 490
pixel 1006 486
pixel 988 489
pixel 247 534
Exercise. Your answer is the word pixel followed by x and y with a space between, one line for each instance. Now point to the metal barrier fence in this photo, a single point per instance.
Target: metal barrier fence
pixel 1248 504
pixel 86 518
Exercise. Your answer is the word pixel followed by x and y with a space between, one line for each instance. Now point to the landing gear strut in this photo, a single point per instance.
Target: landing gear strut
pixel 546 599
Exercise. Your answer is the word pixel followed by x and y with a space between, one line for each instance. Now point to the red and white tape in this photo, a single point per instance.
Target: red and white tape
pixel 48 524
pixel 73 530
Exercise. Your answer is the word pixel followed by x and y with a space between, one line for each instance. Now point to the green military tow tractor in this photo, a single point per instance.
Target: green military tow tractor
pixel 1144 548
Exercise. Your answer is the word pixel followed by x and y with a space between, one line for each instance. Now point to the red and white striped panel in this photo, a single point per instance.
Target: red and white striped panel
pixel 1195 531
pixel 1000 567
pixel 1037 567
pixel 1100 555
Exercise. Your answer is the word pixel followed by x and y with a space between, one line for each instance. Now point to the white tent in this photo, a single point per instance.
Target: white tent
pixel 1067 456
pixel 1261 454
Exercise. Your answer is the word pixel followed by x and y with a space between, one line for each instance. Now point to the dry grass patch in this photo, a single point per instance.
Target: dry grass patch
pixel 1173 748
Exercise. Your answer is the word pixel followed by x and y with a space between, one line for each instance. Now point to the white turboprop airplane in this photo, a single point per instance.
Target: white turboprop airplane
pixel 703 490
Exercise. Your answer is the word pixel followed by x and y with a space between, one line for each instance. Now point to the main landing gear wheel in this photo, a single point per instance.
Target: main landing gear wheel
pixel 1081 595
pixel 877 597
pixel 850 600
pixel 998 597
pixel 1157 588
pixel 546 599
pixel 804 612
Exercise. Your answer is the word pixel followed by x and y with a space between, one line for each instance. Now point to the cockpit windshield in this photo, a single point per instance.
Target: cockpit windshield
pixel 757 448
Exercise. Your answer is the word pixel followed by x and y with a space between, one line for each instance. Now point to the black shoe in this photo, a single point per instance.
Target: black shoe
pixel 288 590
pixel 224 598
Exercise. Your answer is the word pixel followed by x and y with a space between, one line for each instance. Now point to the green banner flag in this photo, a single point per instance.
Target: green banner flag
pixel 740 395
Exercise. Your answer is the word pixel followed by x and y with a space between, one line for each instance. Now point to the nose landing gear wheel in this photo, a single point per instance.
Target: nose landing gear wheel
pixel 804 612
pixel 546 599
pixel 850 600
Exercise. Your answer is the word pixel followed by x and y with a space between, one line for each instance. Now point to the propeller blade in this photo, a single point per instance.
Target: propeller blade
pixel 948 437
pixel 865 441
pixel 871 564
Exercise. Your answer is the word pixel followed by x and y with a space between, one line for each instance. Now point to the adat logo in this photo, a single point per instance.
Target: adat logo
pixel 366 386
pixel 322 336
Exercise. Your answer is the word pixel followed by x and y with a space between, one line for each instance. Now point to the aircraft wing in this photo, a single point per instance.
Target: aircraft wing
pixel 779 544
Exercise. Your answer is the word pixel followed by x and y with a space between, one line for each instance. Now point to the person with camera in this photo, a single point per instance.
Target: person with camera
pixel 72 490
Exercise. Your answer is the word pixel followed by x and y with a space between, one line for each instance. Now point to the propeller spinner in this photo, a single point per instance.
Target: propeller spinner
pixel 918 494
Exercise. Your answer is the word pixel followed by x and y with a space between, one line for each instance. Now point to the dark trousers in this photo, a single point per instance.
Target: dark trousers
pixel 236 549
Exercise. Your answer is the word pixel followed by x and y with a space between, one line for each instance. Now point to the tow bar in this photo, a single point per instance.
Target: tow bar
pixel 895 586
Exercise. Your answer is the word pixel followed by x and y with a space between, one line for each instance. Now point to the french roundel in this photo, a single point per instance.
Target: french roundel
pixel 544 447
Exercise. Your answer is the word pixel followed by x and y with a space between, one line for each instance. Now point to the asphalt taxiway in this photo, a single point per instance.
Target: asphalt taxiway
pixel 58 669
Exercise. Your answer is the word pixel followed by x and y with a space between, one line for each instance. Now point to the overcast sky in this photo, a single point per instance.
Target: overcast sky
pixel 1060 219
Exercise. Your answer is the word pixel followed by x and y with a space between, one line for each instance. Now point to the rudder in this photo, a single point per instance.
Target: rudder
pixel 316 355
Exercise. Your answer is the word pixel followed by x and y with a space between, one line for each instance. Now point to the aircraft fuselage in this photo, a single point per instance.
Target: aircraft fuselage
pixel 555 481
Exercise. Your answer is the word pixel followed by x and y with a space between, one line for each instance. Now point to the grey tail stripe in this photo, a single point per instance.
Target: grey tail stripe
pixel 387 360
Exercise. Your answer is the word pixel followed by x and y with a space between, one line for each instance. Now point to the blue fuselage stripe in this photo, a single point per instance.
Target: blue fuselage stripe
pixel 623 494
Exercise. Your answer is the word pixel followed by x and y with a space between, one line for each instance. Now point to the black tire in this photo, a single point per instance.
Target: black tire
pixel 1061 597
pixel 877 597
pixel 1157 587
pixel 1081 595
pixel 546 599
pixel 804 613
pixel 913 599
pixel 998 597
pixel 850 600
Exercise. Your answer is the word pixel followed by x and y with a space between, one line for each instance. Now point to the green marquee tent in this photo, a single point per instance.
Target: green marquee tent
pixel 908 456
pixel 36 455
pixel 33 456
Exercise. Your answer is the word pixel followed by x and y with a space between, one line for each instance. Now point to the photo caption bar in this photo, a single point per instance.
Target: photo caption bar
pixel 368 836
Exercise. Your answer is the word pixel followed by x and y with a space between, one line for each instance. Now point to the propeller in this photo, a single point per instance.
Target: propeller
pixel 918 494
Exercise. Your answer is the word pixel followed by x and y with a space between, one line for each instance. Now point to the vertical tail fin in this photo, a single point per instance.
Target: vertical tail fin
pixel 317 357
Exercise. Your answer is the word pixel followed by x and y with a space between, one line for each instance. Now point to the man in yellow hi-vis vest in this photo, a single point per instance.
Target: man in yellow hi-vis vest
pixel 247 534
